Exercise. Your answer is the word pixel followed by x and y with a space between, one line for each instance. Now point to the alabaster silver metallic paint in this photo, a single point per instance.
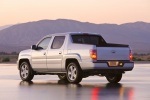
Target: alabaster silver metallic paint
pixel 53 60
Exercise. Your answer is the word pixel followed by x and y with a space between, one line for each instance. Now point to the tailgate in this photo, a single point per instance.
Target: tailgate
pixel 113 53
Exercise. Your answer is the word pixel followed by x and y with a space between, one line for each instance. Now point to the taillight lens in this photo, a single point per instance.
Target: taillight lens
pixel 131 55
pixel 93 54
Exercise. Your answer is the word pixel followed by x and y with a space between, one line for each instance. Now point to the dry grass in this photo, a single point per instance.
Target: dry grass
pixel 141 57
pixel 136 57
pixel 12 58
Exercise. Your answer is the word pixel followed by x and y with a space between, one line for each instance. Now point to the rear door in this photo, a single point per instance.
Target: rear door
pixel 55 54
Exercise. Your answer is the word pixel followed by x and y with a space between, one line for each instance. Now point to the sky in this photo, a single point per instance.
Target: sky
pixel 94 11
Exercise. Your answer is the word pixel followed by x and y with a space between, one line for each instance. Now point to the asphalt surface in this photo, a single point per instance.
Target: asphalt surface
pixel 135 85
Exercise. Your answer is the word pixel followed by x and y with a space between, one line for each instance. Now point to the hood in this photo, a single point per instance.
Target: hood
pixel 25 52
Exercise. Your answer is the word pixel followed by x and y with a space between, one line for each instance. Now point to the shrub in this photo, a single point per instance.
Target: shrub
pixel 134 59
pixel 139 59
pixel 6 59
pixel 14 53
pixel 148 58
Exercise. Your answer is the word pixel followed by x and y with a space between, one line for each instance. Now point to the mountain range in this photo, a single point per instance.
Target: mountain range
pixel 22 36
pixel 3 27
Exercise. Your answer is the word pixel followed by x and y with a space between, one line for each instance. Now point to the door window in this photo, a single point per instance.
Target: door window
pixel 44 44
pixel 58 42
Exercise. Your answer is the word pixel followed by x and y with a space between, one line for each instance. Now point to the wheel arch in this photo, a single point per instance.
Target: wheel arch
pixel 22 60
pixel 69 60
pixel 70 57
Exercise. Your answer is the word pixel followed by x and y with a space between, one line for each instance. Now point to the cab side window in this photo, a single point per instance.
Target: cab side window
pixel 44 44
pixel 58 42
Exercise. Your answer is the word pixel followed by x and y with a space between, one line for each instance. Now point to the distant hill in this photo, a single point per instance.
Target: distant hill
pixel 22 36
pixel 3 27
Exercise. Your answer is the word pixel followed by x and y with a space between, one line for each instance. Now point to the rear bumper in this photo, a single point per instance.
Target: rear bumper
pixel 126 65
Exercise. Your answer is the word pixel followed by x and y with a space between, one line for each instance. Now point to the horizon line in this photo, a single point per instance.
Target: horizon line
pixel 70 20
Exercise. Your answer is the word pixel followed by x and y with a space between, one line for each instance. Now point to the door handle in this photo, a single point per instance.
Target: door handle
pixel 44 53
pixel 60 52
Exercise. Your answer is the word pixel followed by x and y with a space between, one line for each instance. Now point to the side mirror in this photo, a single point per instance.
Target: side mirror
pixel 33 47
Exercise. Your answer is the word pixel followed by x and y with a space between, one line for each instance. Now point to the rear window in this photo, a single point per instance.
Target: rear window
pixel 88 39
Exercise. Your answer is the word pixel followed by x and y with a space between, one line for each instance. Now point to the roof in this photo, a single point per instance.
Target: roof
pixel 66 33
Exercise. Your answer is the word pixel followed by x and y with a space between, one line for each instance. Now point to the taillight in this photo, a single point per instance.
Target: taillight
pixel 93 54
pixel 131 55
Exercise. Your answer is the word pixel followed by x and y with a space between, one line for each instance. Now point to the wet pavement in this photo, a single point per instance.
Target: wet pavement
pixel 135 85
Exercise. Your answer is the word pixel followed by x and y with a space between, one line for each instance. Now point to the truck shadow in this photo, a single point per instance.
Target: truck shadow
pixel 66 91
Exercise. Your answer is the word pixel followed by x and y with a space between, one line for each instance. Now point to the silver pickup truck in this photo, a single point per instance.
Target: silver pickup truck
pixel 75 55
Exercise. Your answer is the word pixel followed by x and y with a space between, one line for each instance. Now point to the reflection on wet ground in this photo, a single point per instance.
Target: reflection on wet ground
pixel 134 85
pixel 77 91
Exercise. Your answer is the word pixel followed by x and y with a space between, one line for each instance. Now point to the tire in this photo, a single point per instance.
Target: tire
pixel 62 76
pixel 74 73
pixel 114 78
pixel 26 72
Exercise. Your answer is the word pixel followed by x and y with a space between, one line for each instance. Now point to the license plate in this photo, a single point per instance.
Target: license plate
pixel 113 63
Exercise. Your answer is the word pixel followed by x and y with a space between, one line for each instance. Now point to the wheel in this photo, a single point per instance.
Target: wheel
pixel 114 78
pixel 74 73
pixel 26 72
pixel 62 77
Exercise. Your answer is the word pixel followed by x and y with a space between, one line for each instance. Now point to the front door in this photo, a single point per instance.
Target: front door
pixel 39 55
